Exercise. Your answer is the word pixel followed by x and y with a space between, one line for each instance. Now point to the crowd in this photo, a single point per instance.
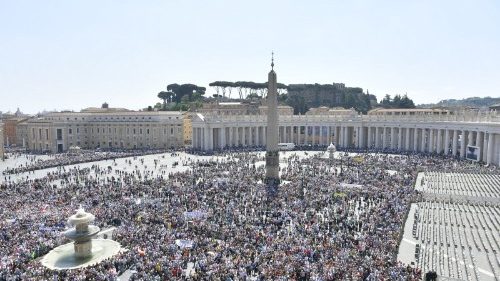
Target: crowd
pixel 57 160
pixel 327 221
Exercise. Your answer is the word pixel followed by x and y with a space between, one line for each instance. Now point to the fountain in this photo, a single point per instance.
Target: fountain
pixel 85 250
pixel 329 154
pixel 82 233
pixel 331 149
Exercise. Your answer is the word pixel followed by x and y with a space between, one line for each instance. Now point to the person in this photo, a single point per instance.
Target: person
pixel 342 227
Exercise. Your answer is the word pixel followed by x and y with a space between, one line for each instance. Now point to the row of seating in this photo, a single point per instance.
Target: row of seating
pixel 470 184
pixel 456 235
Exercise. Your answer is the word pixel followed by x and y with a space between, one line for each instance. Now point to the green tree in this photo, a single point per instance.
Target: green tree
pixel 164 96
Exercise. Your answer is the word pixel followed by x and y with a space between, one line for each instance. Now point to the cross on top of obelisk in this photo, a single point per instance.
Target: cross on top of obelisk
pixel 272 60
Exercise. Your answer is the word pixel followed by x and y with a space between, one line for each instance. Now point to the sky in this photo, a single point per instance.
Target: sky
pixel 69 55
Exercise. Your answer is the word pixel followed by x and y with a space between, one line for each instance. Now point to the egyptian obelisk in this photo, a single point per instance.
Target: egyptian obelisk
pixel 272 154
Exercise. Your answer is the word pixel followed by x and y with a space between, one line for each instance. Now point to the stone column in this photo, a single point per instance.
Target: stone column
pixel 446 142
pixel 454 143
pixel 210 139
pixel 340 136
pixel 264 135
pixel 415 139
pixel 439 147
pixel 393 138
pixel 423 135
pixel 306 135
pixel 399 143
pixel 238 136
pixel 384 138
pixel 407 139
pixel 246 138
pixel 470 138
pixel 369 137
pixel 346 136
pixel 194 138
pixel 484 143
pixel 222 137
pixel 230 136
pixel 205 139
pixel 257 136
pixel 491 147
pixel 298 135
pixel 479 144
pixel 358 137
pixel 431 141
pixel 321 135
pixel 377 137
pixel 362 136
pixel 463 144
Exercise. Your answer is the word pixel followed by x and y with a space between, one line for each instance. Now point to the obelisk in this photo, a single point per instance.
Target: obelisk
pixel 272 153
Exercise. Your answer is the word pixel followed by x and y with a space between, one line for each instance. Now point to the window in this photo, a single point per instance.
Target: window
pixel 70 131
pixel 47 134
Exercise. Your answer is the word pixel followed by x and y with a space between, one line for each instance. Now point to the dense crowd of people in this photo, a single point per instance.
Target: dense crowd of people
pixel 339 220
pixel 61 159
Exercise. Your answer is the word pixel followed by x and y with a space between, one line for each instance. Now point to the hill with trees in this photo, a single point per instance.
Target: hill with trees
pixel 397 102
pixel 301 97
pixel 180 97
pixel 474 102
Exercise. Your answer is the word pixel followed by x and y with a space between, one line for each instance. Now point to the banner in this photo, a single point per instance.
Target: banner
pixel 473 153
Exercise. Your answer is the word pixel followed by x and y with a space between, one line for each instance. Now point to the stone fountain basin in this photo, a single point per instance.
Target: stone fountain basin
pixel 80 218
pixel 82 236
pixel 63 257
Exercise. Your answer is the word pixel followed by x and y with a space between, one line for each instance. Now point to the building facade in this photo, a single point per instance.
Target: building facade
pixel 2 151
pixel 408 111
pixel 433 133
pixel 57 132
pixel 10 130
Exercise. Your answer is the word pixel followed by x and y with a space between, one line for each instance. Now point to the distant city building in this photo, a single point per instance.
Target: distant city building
pixel 2 153
pixel 495 107
pixel 408 111
pixel 282 110
pixel 229 108
pixel 103 128
pixel 10 130
pixel 337 111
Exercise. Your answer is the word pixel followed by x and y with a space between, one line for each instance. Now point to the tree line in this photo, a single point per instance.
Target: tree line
pixel 397 102
pixel 301 97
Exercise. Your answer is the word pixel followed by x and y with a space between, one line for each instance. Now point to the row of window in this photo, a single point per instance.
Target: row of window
pixel 106 118
pixel 134 130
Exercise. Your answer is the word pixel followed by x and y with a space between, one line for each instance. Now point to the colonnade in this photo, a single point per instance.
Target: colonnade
pixel 451 140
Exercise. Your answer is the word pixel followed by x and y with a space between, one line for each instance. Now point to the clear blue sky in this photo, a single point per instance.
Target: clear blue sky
pixel 75 54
